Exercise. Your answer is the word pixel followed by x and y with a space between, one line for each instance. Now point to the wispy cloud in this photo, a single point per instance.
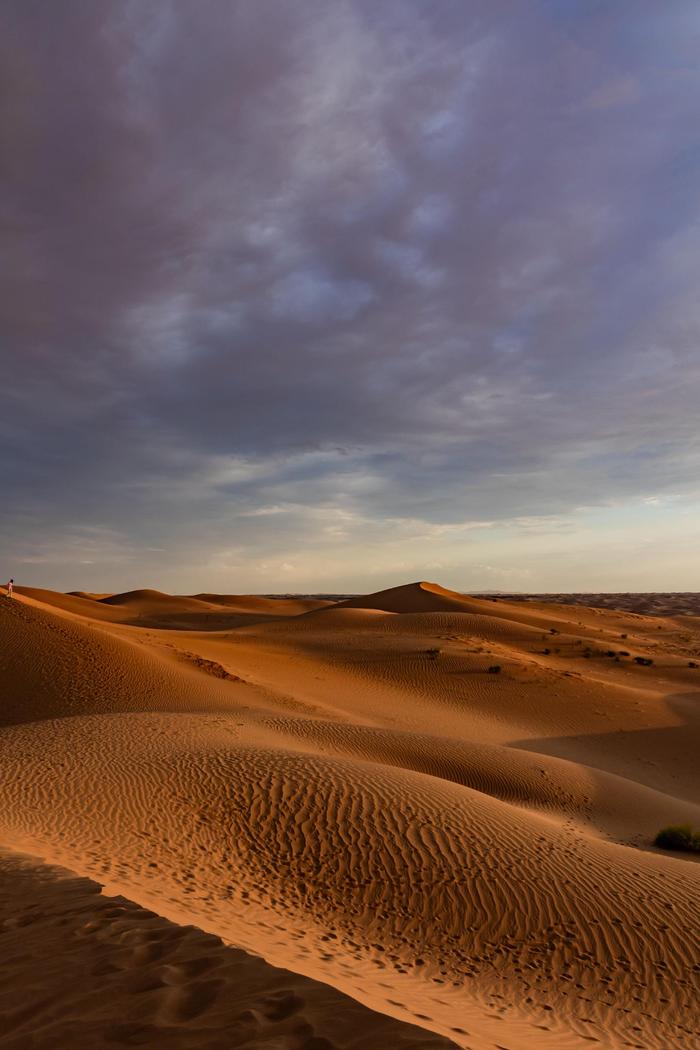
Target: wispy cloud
pixel 431 267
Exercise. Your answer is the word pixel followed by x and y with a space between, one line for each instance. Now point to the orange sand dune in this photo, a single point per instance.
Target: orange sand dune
pixel 151 601
pixel 94 596
pixel 154 983
pixel 80 604
pixel 355 794
pixel 145 608
pixel 411 597
pixel 254 603
pixel 56 667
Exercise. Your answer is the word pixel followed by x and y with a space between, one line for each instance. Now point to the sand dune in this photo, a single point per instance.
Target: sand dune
pixel 77 603
pixel 90 595
pixel 149 608
pixel 254 603
pixel 411 597
pixel 57 667
pixel 152 983
pixel 351 793
pixel 144 601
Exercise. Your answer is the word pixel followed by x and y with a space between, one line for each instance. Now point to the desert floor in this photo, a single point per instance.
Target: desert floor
pixel 234 821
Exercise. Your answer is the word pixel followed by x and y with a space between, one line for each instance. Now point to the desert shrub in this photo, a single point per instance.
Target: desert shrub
pixel 623 636
pixel 623 652
pixel 553 630
pixel 691 663
pixel 679 837
pixel 546 651
pixel 611 652
pixel 433 653
pixel 495 669
pixel 643 661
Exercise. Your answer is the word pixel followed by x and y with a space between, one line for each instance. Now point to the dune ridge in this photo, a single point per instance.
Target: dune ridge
pixel 156 983
pixel 347 791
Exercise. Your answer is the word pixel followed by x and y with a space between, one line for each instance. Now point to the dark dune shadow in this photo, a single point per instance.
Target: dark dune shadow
pixel 80 969
pixel 664 758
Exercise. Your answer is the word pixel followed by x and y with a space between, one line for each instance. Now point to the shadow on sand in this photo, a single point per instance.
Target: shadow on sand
pixel 664 758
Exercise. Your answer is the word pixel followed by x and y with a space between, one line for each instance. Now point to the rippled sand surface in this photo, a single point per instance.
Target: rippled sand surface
pixel 424 850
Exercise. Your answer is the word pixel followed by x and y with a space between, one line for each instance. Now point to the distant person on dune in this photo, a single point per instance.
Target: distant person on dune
pixel 9 587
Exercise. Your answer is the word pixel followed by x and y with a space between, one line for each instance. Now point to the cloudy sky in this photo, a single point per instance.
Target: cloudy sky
pixel 337 294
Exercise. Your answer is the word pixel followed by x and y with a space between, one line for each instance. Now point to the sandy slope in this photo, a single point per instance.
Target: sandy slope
pixel 80 969
pixel 144 608
pixel 349 792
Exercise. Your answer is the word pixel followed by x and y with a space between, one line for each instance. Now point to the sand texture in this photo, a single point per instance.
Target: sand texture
pixel 424 851
pixel 82 969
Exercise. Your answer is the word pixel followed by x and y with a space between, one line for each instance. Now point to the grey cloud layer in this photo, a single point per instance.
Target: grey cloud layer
pixel 447 248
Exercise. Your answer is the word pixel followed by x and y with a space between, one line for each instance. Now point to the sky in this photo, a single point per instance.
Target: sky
pixel 336 294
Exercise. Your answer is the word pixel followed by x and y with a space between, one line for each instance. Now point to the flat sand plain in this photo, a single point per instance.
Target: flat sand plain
pixel 324 825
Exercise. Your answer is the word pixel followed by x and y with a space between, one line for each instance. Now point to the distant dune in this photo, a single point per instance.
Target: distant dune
pixel 147 607
pixel 411 597
pixel 149 601
pixel 439 807
pixel 250 603
pixel 669 603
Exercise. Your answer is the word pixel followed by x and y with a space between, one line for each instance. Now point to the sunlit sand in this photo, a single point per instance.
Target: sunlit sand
pixel 412 819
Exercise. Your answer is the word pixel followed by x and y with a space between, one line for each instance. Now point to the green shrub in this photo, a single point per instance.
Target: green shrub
pixel 679 837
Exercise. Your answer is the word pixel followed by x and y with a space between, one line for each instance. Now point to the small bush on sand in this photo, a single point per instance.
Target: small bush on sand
pixel 495 669
pixel 433 653
pixel 679 837
pixel 643 661
pixel 691 663
pixel 546 651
